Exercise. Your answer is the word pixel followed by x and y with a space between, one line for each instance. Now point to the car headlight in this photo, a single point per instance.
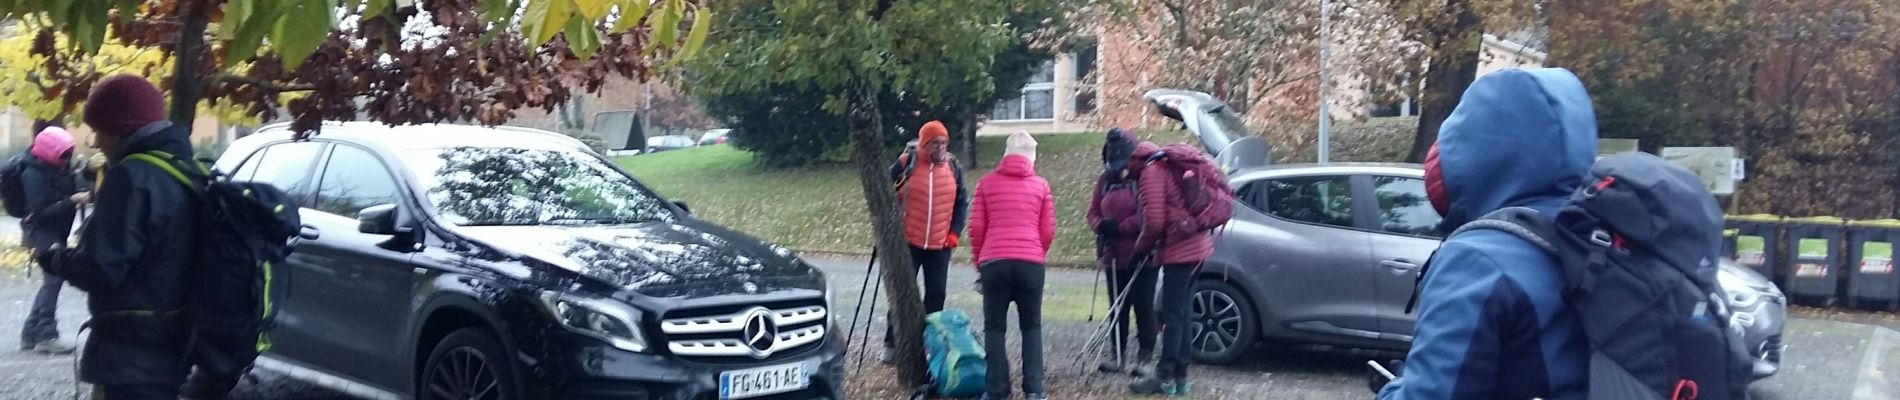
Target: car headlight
pixel 607 320
pixel 1737 291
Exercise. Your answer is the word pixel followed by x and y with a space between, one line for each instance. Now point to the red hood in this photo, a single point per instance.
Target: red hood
pixel 1140 158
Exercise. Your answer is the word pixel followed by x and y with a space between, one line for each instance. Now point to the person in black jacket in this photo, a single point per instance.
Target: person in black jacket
pixel 50 198
pixel 133 256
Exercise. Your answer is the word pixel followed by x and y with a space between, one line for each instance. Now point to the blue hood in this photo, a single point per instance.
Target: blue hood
pixel 1519 137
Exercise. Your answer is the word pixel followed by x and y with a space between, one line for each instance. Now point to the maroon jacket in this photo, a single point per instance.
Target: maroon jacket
pixel 1161 201
pixel 1114 201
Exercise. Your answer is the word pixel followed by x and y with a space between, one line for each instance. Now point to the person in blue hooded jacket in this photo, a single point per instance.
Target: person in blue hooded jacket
pixel 1492 323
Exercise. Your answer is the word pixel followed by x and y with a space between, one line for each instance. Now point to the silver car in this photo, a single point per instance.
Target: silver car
pixel 1329 254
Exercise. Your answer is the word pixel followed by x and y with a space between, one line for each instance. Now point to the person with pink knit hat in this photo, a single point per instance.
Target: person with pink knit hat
pixel 49 191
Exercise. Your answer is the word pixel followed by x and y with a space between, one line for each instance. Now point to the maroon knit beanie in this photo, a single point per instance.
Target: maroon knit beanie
pixel 122 104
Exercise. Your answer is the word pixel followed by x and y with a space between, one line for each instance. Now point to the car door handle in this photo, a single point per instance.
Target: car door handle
pixel 1400 265
pixel 308 232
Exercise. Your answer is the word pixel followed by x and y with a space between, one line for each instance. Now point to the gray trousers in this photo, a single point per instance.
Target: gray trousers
pixel 41 322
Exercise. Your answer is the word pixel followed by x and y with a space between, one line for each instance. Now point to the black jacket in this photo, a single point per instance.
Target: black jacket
pixel 48 190
pixel 133 261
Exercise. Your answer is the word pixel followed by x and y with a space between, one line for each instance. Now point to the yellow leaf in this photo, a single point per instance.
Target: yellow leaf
pixel 702 22
pixel 593 9
pixel 630 13
pixel 545 18
pixel 666 27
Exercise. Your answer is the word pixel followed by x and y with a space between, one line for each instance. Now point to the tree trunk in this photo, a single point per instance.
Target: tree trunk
pixel 900 278
pixel 1452 68
pixel 963 136
pixel 187 84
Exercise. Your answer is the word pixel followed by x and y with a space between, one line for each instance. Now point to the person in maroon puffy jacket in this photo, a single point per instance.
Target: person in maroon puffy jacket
pixel 1115 216
pixel 1012 222
pixel 1179 255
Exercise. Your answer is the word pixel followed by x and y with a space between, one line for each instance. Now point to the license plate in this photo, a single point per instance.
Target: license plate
pixel 1810 270
pixel 755 382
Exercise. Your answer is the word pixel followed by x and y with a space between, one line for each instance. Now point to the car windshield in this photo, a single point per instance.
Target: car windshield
pixel 476 186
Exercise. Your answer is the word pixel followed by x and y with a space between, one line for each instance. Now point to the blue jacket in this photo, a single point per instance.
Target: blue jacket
pixel 1492 323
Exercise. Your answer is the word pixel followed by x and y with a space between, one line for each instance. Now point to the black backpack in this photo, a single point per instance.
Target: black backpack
pixel 248 230
pixel 12 190
pixel 1638 246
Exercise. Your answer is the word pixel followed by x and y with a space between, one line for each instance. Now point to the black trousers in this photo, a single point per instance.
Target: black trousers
pixel 41 322
pixel 1177 282
pixel 1005 282
pixel 1140 302
pixel 934 267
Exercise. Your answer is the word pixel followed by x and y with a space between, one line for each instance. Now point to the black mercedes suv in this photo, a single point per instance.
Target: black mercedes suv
pixel 464 262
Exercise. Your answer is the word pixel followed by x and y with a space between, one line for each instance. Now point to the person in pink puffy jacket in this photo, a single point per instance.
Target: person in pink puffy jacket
pixel 1012 221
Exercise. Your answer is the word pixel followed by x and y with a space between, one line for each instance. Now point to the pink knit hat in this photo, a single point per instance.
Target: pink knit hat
pixel 52 144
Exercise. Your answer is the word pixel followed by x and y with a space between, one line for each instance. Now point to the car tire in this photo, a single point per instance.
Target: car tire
pixel 1233 316
pixel 468 364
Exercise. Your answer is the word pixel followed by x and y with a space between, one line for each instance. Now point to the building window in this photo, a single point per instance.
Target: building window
pixel 1037 101
pixel 1085 87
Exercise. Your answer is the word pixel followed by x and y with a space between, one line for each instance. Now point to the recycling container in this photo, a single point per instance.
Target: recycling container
pixel 1756 243
pixel 1818 245
pixel 1871 279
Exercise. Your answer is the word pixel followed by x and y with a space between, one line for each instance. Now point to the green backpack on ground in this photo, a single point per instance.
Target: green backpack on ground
pixel 957 366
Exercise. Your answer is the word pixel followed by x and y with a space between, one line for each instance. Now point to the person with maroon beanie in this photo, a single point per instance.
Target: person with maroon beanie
pixel 1115 217
pixel 1012 222
pixel 133 256
pixel 1179 255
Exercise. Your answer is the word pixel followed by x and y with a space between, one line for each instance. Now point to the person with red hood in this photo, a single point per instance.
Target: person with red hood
pixel 1012 222
pixel 1179 255
pixel 51 193
pixel 133 257
pixel 1115 217
pixel 936 206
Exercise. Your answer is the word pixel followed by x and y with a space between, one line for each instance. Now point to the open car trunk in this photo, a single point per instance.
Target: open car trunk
pixel 1221 131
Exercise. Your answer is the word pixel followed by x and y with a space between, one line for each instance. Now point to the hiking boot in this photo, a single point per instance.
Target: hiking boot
pixel 888 356
pixel 1179 387
pixel 53 347
pixel 1144 365
pixel 1037 396
pixel 1109 366
pixel 1150 385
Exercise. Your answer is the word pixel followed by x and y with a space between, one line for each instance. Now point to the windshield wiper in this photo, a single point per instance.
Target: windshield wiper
pixel 595 221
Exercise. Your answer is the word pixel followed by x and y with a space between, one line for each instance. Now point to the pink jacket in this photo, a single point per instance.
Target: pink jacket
pixel 1013 215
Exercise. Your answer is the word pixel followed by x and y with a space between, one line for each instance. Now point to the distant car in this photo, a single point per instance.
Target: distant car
pixel 712 137
pixel 669 142
pixel 1363 229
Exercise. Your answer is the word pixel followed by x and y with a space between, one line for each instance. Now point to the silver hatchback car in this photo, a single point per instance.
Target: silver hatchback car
pixel 1328 254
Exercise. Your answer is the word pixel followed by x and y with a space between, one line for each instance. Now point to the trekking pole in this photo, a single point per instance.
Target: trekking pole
pixel 1101 331
pixel 864 341
pixel 861 288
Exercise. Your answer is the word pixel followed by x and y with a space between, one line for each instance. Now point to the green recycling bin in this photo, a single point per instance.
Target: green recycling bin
pixel 1813 274
pixel 1755 243
pixel 1871 278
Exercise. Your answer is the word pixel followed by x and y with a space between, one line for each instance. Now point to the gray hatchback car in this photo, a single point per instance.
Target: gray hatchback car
pixel 1328 254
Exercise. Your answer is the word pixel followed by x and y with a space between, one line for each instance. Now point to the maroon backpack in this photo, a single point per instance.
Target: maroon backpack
pixel 1204 192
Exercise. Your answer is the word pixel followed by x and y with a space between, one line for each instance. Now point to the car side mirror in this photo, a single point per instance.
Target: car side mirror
pixel 384 219
pixel 682 206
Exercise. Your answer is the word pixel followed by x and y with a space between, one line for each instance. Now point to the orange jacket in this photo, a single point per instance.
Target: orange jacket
pixel 936 204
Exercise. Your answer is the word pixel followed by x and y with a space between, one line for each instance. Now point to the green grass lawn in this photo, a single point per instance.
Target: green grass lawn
pixel 821 208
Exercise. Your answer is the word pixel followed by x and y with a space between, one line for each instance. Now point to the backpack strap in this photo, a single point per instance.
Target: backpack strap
pixel 165 162
pixel 1525 223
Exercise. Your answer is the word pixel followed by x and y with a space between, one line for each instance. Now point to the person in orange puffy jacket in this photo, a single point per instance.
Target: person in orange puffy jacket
pixel 936 205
